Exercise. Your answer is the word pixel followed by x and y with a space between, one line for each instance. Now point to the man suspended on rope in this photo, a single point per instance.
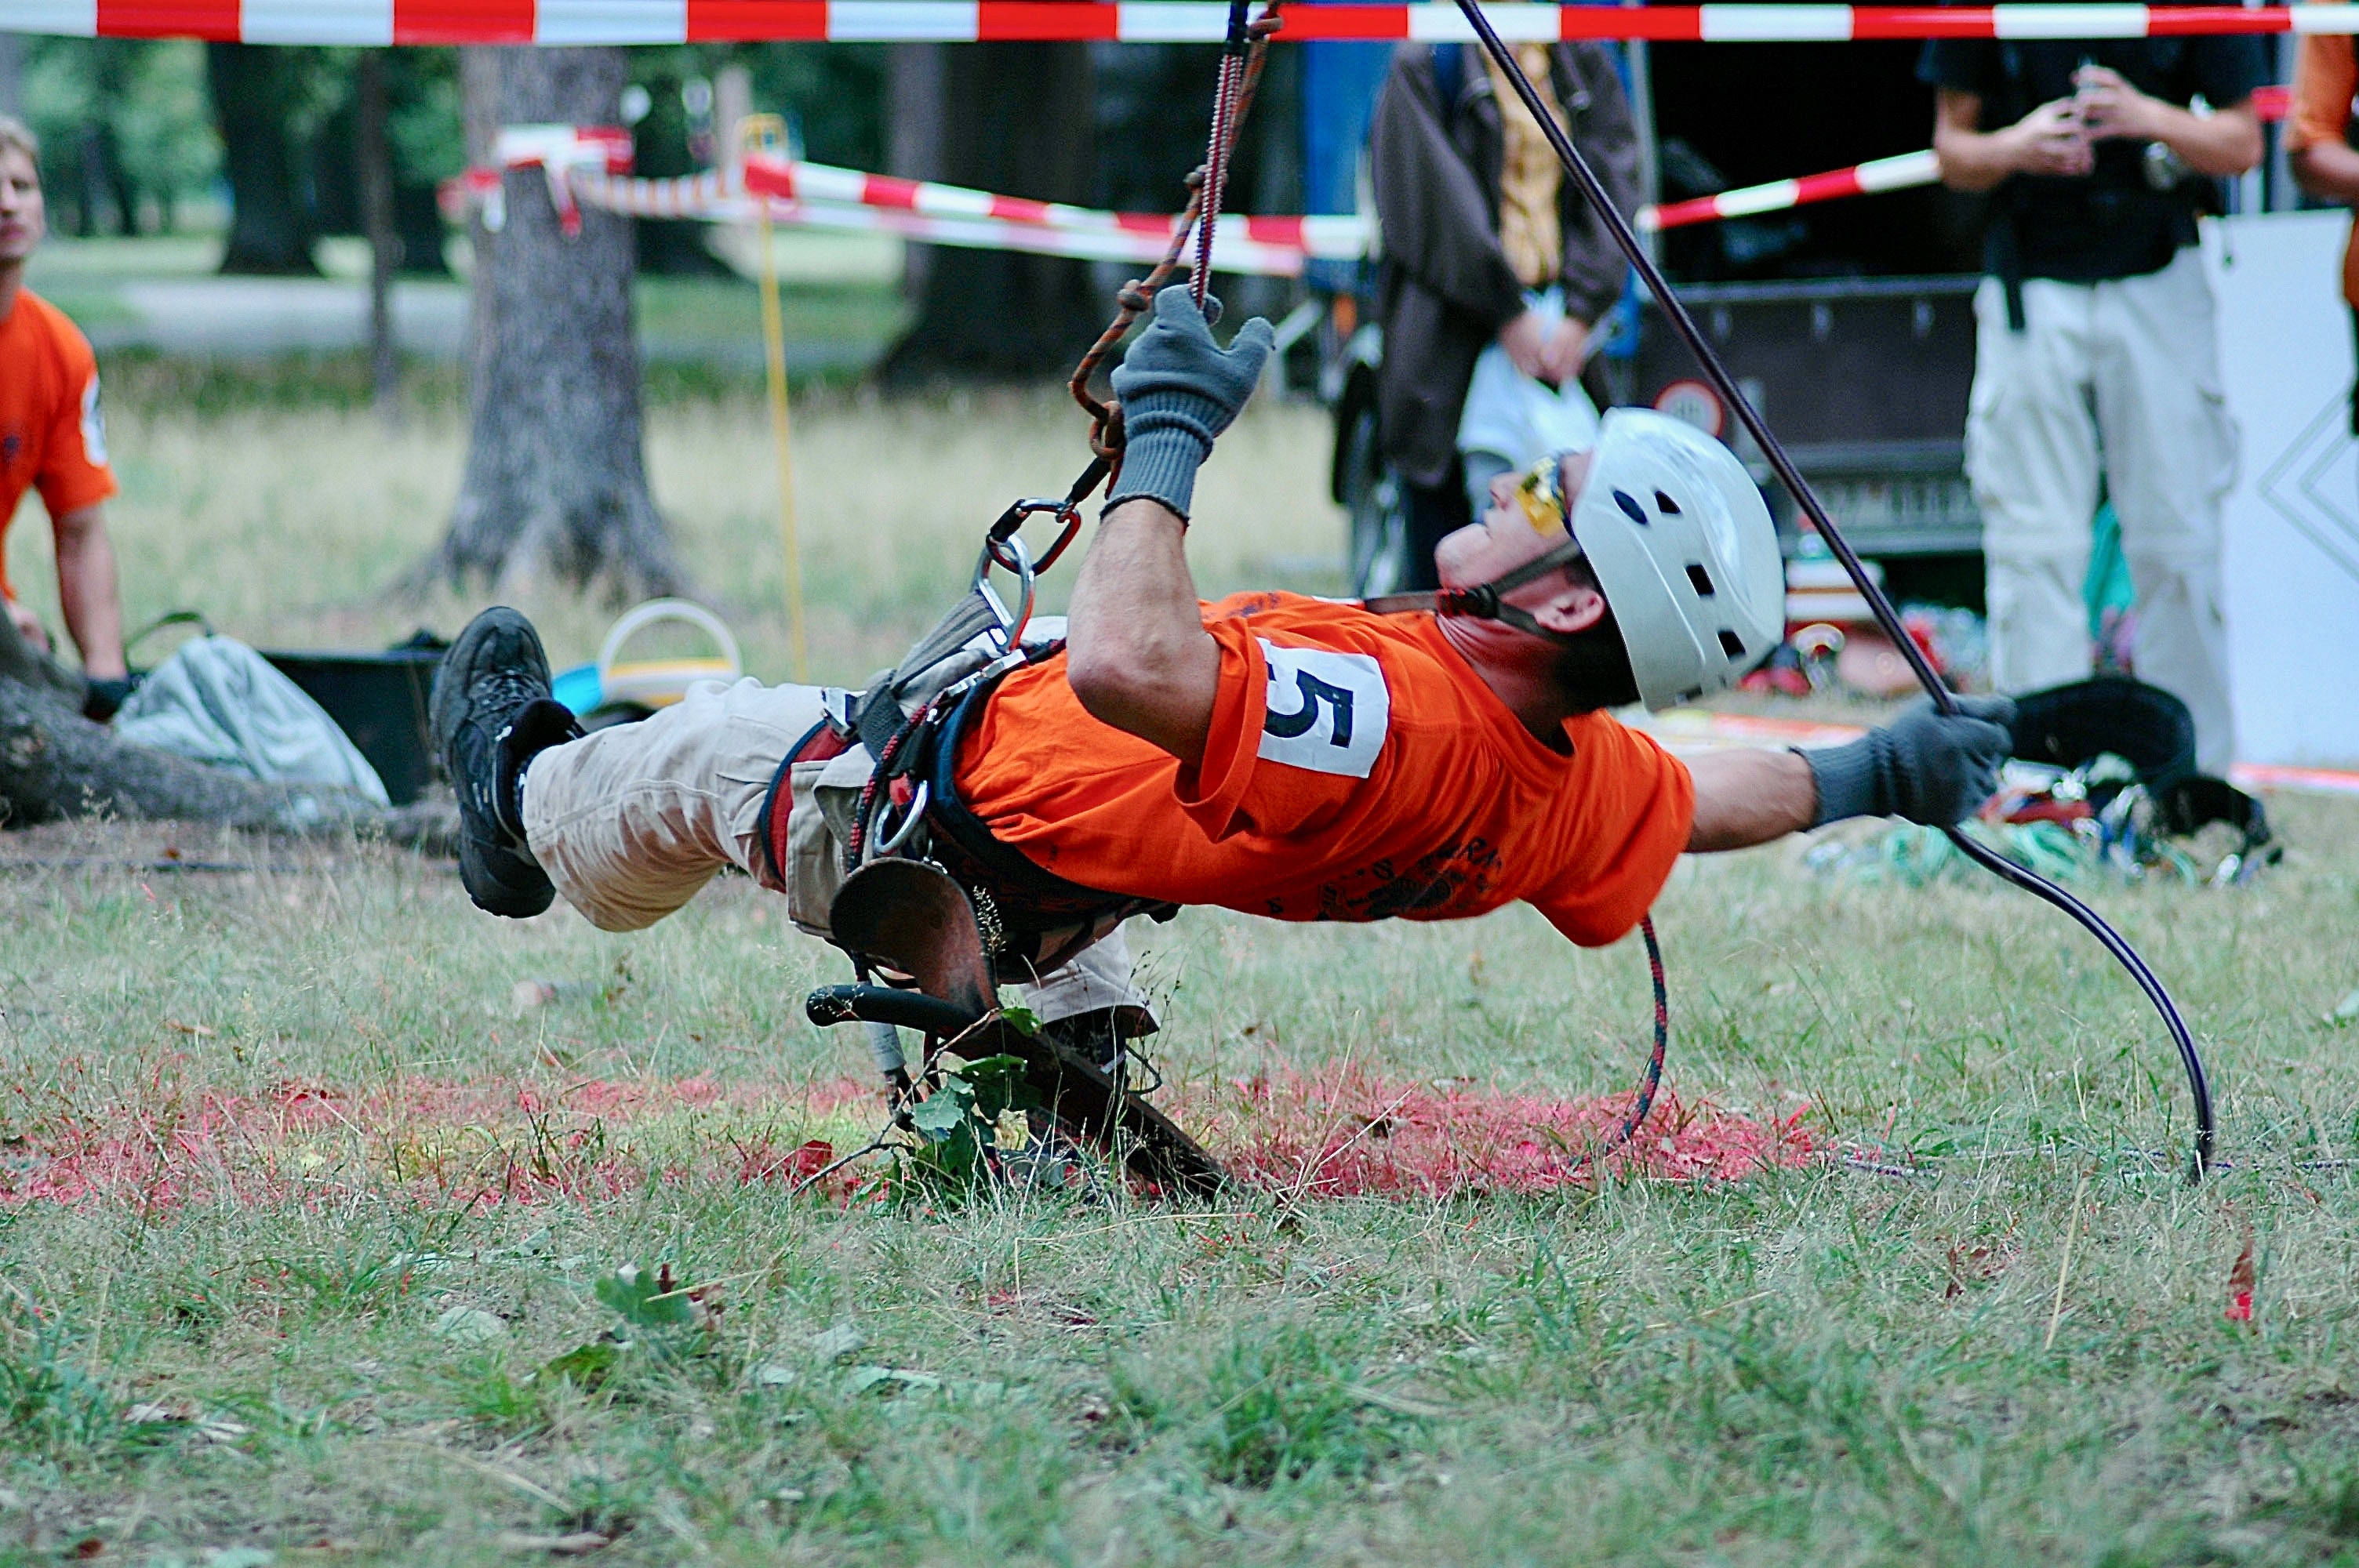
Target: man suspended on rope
pixel 1285 756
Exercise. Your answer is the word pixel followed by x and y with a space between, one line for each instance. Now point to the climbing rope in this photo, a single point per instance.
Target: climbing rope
pixel 1242 59
pixel 1886 617
pixel 1653 1078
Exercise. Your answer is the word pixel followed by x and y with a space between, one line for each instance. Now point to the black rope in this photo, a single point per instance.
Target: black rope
pixel 1886 617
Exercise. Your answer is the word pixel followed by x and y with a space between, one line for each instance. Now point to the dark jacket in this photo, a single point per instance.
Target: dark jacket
pixel 1446 289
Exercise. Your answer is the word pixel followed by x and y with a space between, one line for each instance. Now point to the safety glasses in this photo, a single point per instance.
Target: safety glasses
pixel 1541 494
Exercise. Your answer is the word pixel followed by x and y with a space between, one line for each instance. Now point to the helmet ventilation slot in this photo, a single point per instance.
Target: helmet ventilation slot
pixel 1631 509
pixel 1700 580
pixel 1732 644
pixel 1665 505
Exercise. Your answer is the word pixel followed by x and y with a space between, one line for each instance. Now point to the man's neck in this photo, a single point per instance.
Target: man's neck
pixel 1503 657
pixel 12 283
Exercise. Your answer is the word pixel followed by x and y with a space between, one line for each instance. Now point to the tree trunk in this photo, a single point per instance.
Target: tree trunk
pixel 253 91
pixel 54 764
pixel 376 160
pixel 913 86
pixel 1015 118
pixel 410 84
pixel 555 480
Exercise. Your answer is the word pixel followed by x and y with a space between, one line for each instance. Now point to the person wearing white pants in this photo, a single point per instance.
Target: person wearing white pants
pixel 2115 382
pixel 2096 368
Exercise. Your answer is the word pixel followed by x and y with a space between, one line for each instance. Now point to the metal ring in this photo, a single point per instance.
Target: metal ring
pixel 909 824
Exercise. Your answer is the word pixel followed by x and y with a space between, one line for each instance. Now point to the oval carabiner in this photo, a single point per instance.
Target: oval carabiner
pixel 1069 523
pixel 1011 627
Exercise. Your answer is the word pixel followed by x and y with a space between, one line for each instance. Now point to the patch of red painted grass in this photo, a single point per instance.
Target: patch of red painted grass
pixel 1344 1132
pixel 468 1144
pixel 1338 1133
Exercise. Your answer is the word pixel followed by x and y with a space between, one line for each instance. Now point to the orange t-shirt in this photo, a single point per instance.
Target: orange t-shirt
pixel 51 436
pixel 2325 75
pixel 1358 768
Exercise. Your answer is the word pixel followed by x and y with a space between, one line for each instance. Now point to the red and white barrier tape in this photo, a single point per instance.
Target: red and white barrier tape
pixel 586 171
pixel 565 153
pixel 1862 179
pixel 1338 238
pixel 569 22
pixel 591 166
pixel 1901 173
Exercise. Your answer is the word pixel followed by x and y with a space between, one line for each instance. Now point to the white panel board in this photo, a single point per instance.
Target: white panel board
pixel 2291 559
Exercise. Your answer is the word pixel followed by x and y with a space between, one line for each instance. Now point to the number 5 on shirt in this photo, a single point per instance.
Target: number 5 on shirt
pixel 1327 712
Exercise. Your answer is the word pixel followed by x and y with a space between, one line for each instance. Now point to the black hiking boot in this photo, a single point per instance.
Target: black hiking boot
pixel 492 711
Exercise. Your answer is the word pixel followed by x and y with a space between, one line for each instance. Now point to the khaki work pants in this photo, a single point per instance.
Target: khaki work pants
pixel 2118 380
pixel 630 822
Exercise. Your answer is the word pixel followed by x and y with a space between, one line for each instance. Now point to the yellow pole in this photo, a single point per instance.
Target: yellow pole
pixel 767 133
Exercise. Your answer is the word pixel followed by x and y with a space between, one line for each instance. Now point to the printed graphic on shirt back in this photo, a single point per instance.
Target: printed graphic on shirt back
pixel 1328 712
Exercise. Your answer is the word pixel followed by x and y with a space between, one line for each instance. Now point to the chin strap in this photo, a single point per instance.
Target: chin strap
pixel 1486 601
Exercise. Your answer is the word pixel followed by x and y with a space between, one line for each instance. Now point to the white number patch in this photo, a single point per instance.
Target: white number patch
pixel 93 426
pixel 1328 711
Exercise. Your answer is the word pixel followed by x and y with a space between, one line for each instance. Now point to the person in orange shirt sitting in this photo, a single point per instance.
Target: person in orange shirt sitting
pixel 52 438
pixel 1430 757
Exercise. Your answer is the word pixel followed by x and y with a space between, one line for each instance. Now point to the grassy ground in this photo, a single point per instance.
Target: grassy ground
pixel 354 1164
pixel 891 497
pixel 841 301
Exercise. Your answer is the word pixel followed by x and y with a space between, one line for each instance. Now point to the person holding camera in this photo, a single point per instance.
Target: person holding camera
pixel 2096 368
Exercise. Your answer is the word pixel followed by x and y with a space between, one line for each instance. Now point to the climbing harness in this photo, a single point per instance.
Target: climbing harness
pixel 970 891
pixel 1886 617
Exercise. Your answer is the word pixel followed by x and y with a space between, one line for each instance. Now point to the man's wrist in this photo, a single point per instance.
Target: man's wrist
pixel 2014 145
pixel 1160 465
pixel 1848 780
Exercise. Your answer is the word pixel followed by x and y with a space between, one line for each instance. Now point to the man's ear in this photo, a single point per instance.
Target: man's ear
pixel 1575 608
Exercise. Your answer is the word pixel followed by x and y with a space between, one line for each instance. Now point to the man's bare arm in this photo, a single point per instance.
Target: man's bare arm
pixel 87 592
pixel 2048 140
pixel 2222 144
pixel 1930 767
pixel 1136 651
pixel 1748 797
pixel 2328 170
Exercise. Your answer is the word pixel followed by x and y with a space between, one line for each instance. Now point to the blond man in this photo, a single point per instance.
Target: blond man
pixel 52 438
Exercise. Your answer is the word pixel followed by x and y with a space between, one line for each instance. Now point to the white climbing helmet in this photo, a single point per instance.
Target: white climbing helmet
pixel 1684 551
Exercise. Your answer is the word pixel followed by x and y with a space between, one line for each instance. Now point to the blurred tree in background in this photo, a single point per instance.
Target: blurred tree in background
pixel 833 96
pixel 126 131
pixel 134 132
pixel 426 148
pixel 267 98
pixel 139 136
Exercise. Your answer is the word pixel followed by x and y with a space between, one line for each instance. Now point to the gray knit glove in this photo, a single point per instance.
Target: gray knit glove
pixel 1179 389
pixel 1928 767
